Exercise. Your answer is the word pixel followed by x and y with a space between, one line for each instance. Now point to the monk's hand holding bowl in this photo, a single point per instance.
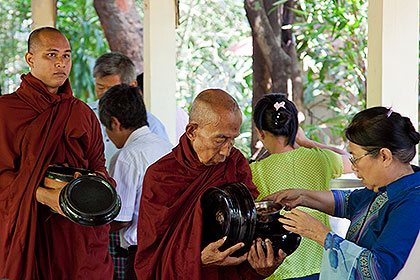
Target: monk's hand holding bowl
pixel 49 193
pixel 211 256
pixel 49 197
pixel 262 264
pixel 304 224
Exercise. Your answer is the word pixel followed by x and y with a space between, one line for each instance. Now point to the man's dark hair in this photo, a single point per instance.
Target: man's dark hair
pixel 277 115
pixel 140 82
pixel 115 64
pixel 33 39
pixel 123 102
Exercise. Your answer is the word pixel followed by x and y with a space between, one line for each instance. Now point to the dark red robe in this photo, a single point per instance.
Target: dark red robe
pixel 37 129
pixel 170 222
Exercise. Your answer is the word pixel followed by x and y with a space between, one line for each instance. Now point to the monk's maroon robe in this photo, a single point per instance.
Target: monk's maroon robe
pixel 170 220
pixel 37 129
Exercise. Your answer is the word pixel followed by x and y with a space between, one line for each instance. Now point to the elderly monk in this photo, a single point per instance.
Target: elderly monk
pixel 170 217
pixel 42 124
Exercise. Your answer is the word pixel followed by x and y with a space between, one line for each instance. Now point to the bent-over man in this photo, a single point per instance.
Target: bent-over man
pixel 122 112
pixel 170 216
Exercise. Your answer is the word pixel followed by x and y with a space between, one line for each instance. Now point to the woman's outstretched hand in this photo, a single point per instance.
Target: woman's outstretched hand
pixel 304 224
pixel 290 198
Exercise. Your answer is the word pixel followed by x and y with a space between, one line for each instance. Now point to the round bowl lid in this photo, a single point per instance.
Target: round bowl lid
pixel 90 200
pixel 229 211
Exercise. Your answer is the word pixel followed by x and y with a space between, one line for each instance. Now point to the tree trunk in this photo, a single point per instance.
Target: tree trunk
pixel 275 59
pixel 123 29
pixel 261 85
pixel 296 66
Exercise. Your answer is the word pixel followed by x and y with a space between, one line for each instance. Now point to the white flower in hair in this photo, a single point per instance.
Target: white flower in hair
pixel 277 105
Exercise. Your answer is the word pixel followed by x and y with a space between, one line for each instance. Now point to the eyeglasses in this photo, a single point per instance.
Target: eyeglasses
pixel 353 160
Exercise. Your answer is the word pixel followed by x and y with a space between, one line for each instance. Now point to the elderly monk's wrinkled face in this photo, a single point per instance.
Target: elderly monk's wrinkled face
pixel 213 142
pixel 50 59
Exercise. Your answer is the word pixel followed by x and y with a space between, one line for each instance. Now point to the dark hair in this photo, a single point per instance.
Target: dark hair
pixel 280 121
pixel 379 127
pixel 34 36
pixel 115 64
pixel 140 82
pixel 123 102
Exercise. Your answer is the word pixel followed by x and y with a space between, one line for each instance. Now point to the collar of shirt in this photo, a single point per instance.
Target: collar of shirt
pixel 400 186
pixel 136 134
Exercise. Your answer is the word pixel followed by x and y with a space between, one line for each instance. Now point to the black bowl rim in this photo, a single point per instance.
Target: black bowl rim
pixel 64 173
pixel 96 219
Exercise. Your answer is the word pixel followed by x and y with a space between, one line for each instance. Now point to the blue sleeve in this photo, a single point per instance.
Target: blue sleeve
pixel 341 199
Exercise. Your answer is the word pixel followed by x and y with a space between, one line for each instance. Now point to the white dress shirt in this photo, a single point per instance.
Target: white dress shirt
pixel 128 167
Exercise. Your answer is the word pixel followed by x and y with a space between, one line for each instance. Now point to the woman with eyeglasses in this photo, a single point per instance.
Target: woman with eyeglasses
pixel 385 215
pixel 310 165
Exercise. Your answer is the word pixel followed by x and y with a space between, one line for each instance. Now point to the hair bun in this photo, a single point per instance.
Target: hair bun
pixel 411 131
pixel 281 118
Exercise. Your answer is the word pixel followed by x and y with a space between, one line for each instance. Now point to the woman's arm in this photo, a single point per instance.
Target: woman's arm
pixel 303 141
pixel 291 198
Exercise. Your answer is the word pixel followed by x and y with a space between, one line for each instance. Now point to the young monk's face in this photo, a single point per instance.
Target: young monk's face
pixel 50 59
pixel 213 142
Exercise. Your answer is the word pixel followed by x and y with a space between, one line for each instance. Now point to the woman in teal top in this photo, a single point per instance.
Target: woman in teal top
pixel 290 166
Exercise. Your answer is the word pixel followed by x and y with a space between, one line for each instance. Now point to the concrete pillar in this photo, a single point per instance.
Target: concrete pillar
pixel 393 56
pixel 44 13
pixel 159 61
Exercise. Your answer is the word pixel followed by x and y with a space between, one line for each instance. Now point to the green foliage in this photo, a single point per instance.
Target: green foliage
pixel 79 22
pixel 76 19
pixel 332 43
pixel 15 26
pixel 331 37
pixel 206 30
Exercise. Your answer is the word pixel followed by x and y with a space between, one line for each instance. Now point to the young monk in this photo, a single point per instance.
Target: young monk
pixel 43 124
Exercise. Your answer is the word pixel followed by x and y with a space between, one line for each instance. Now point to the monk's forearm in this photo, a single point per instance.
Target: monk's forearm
pixel 49 197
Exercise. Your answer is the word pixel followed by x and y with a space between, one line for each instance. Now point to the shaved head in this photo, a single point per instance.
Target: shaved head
pixel 215 122
pixel 212 104
pixel 34 38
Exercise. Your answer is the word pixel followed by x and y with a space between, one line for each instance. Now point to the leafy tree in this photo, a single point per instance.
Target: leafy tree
pixel 329 37
pixel 80 23
pixel 206 33
pixel 15 26
pixel 332 44
pixel 324 38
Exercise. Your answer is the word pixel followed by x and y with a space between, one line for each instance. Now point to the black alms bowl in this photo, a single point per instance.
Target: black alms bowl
pixel 269 227
pixel 230 211
pixel 88 200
